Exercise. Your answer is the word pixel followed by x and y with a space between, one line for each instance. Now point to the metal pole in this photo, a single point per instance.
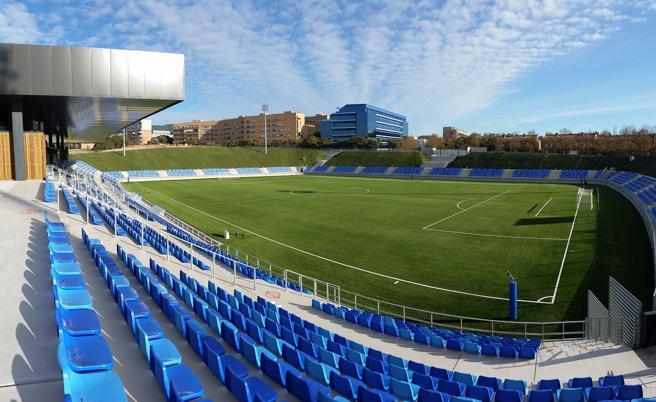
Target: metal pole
pixel 234 272
pixel 191 256
pixel 167 246
pixel 87 209
pixel 142 235
pixel 115 215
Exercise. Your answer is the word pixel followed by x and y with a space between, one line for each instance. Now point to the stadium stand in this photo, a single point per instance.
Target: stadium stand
pixel 345 169
pixel 445 172
pixel 573 174
pixel 70 202
pixel 49 191
pixel 377 170
pixel 181 173
pixel 408 171
pixel 216 172
pixel 531 173
pixel 177 380
pixel 436 337
pixel 320 169
pixel 280 169
pixel 83 354
pixel 143 173
pixel 248 171
pixel 481 172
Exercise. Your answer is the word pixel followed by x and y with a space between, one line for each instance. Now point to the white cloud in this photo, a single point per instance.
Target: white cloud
pixel 435 64
pixel 17 25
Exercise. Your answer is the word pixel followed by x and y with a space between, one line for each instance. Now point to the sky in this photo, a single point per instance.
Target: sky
pixel 484 66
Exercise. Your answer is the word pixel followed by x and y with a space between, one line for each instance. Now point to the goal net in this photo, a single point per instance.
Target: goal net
pixel 585 197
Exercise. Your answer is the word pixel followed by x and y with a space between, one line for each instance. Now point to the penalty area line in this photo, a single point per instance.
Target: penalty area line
pixel 544 206
pixel 495 235
pixel 464 210
pixel 460 292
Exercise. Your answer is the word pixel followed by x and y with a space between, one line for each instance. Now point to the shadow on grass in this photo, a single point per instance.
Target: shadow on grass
pixel 544 221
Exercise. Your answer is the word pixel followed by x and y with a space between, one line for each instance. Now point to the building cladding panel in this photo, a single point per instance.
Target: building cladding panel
pixel 364 120
pixel 89 93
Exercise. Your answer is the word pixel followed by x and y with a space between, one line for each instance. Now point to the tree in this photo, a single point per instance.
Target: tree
pixel 408 143
pixel 435 142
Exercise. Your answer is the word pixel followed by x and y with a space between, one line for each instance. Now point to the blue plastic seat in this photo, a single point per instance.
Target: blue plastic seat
pixel 453 344
pixel 400 373
pixel 345 385
pixel 517 385
pixel 508 395
pixel 328 357
pixel 376 365
pixel 426 395
pixel 230 363
pixel 580 382
pixel 86 353
pixel 183 385
pixel 272 343
pixel 490 382
pixel 627 392
pixel 526 352
pixel 596 394
pixel 195 334
pixel 465 378
pixel 478 392
pixel 78 322
pixel 102 386
pixel 490 349
pixel 230 334
pixel 452 388
pixel 293 356
pixel 552 385
pixel 424 381
pixel 404 390
pixel 251 351
pixel 350 368
pixel 318 371
pixel 570 395
pixel 543 395
pixel 375 379
pixel 374 395
pixel 180 316
pixel 251 389
pixel 148 330
pixel 305 389
pixel 440 373
pixel 213 352
pixel 611 380
pixel 277 369
pixel 163 353
pixel 471 347
pixel 507 351
pixel 418 367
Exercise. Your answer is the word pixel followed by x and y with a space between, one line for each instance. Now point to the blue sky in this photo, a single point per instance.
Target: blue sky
pixel 512 65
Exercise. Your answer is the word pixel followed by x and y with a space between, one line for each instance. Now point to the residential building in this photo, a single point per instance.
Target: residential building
pixel 141 132
pixel 451 133
pixel 281 127
pixel 364 120
pixel 159 133
pixel 191 132
pixel 313 125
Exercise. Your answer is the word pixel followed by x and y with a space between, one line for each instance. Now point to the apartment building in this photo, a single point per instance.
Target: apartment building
pixel 451 133
pixel 312 125
pixel 193 132
pixel 281 127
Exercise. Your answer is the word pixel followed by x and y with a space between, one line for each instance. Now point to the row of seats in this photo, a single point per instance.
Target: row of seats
pixel 448 172
pixel 531 173
pixel 84 356
pixel 408 171
pixel 233 374
pixel 480 172
pixel 70 202
pixel 280 169
pixel 84 168
pixel 177 380
pixel 181 173
pixel 319 169
pixel 216 172
pixel 94 217
pixel 143 173
pixel 379 170
pixel 249 171
pixel 573 174
pixel 345 169
pixel 436 337
pixel 49 191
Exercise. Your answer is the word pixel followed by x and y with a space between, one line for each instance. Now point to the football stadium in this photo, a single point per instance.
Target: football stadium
pixel 222 268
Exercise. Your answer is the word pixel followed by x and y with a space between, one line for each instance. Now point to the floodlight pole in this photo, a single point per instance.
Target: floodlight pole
pixel 265 109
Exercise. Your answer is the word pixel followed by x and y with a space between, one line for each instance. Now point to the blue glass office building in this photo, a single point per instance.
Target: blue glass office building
pixel 364 120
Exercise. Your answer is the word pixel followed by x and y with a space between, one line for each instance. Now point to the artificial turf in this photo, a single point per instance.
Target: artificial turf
pixel 460 236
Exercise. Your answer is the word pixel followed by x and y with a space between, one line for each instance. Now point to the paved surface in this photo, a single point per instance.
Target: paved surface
pixel 28 366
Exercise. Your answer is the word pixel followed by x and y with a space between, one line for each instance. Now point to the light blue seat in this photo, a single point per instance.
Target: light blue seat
pixel 570 395
pixel 404 390
pixel 102 386
pixel 517 385
pixel 397 361
pixel 318 371
pixel 464 378
pixel 85 353
pixel 148 330
pixel 345 385
pixel 471 347
pixel 399 373
pixel 328 357
pixel 438 342
pixel 182 384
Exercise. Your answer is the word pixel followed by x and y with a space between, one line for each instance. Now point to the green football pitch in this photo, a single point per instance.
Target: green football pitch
pixel 443 246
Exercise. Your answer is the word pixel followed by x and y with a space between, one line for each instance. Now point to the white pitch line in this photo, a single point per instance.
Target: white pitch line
pixel 464 210
pixel 495 235
pixel 460 202
pixel 347 265
pixel 545 204
pixel 562 263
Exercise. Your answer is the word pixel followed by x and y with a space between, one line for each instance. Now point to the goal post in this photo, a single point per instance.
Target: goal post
pixel 585 196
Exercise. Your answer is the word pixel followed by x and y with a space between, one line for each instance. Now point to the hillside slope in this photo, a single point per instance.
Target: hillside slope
pixel 197 158
pixel 517 160
pixel 376 158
